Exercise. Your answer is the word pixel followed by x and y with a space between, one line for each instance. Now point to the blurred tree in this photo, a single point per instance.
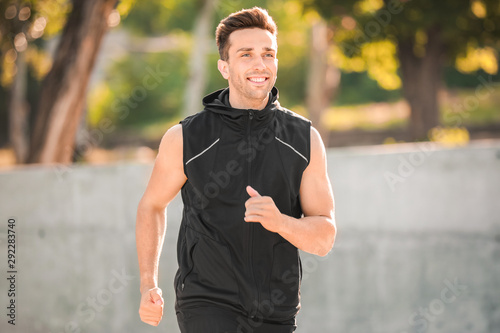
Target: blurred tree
pixel 323 76
pixel 13 24
pixel 426 34
pixel 200 48
pixel 22 23
pixel 62 97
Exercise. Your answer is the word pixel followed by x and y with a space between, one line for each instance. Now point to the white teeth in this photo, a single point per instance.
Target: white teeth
pixel 258 79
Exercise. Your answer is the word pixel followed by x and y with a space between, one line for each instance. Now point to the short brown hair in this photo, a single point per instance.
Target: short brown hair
pixel 255 17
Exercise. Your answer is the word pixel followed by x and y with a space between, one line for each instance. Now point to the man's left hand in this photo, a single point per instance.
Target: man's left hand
pixel 263 210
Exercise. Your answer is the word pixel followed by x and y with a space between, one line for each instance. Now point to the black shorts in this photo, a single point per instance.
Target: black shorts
pixel 219 320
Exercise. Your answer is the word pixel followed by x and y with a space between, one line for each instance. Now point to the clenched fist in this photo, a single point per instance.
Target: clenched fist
pixel 263 210
pixel 151 308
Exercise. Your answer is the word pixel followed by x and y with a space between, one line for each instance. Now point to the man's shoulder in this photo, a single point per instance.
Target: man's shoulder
pixel 293 121
pixel 200 116
pixel 199 127
pixel 293 116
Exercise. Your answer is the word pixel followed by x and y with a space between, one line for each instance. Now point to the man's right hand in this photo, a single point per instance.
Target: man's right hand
pixel 151 308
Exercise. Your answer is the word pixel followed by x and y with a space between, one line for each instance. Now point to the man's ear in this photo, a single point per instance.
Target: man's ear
pixel 222 65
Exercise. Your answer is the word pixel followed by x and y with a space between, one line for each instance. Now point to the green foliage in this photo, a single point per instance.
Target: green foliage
pixel 225 7
pixel 140 90
pixel 359 88
pixel 158 17
pixel 363 31
pixel 457 79
pixel 293 50
pixel 165 102
pixel 462 22
pixel 215 80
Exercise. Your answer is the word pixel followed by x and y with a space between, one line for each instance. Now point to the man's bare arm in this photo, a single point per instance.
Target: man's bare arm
pixel 166 180
pixel 315 232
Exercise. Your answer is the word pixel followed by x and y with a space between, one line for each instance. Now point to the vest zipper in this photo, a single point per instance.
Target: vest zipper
pixel 254 308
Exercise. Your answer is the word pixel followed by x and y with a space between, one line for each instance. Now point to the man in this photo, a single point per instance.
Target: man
pixel 255 190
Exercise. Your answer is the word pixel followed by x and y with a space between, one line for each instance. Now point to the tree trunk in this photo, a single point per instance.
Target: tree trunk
pixel 198 59
pixel 62 96
pixel 18 111
pixel 422 78
pixel 323 79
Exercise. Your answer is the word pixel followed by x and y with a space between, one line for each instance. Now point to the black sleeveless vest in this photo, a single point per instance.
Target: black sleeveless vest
pixel 223 260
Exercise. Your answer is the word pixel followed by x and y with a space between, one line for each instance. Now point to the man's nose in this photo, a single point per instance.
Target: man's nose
pixel 259 64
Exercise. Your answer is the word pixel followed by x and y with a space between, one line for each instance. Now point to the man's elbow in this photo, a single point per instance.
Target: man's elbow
pixel 151 203
pixel 329 239
pixel 147 208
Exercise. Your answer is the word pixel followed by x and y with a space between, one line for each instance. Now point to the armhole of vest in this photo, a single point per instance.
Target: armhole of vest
pixel 308 126
pixel 309 130
pixel 184 147
pixel 185 123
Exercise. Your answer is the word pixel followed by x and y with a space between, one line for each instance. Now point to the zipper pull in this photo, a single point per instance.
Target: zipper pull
pixel 250 114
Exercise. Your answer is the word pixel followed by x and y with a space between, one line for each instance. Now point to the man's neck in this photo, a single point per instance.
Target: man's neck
pixel 238 103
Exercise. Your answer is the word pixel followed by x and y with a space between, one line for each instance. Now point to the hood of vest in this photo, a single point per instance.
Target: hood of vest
pixel 218 102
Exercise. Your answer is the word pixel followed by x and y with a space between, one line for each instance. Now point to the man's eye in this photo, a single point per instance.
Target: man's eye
pixel 245 55
pixel 270 55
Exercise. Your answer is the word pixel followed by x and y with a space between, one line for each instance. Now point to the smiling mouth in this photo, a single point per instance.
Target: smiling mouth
pixel 260 79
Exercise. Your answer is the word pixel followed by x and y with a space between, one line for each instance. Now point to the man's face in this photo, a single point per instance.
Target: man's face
pixel 251 67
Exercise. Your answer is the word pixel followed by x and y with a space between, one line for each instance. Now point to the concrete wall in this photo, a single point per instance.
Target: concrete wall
pixel 418 248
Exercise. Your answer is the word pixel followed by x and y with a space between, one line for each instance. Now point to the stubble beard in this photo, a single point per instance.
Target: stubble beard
pixel 250 95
